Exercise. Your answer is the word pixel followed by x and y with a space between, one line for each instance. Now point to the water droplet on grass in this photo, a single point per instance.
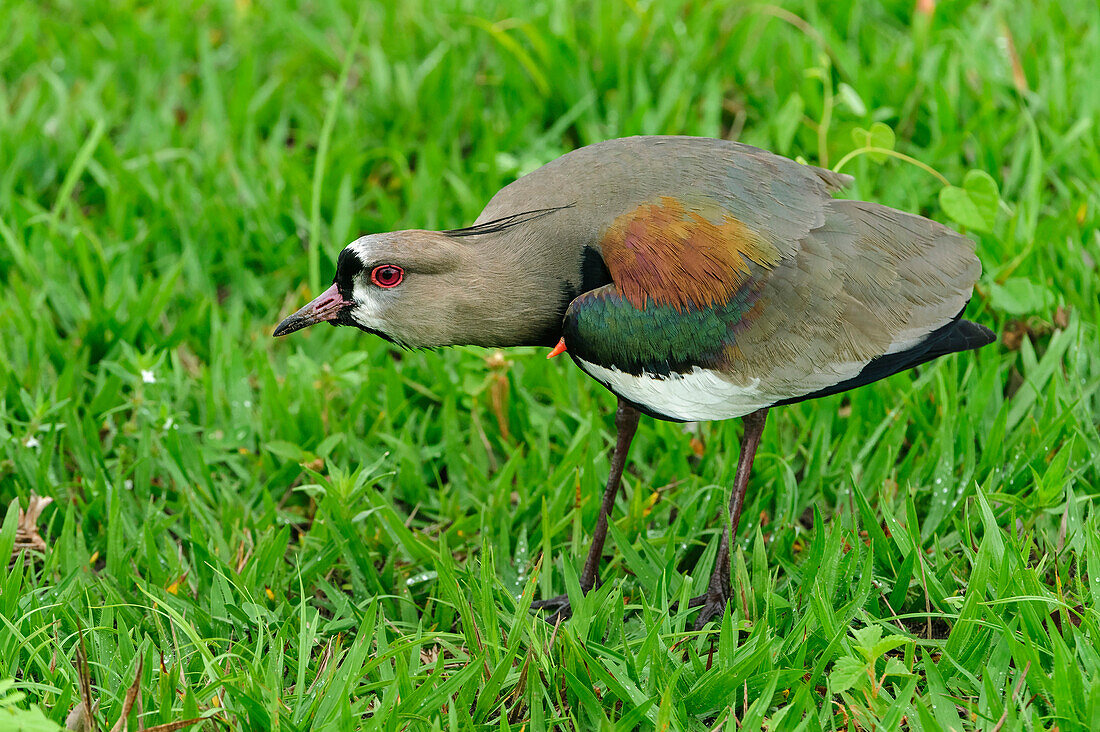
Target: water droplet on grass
pixel 420 577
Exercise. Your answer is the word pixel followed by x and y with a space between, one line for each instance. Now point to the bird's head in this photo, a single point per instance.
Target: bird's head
pixel 423 289
pixel 397 285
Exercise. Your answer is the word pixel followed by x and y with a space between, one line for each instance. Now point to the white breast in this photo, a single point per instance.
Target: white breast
pixel 705 394
pixel 698 396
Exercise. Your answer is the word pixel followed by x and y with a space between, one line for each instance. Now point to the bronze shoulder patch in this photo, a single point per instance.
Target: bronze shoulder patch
pixel 674 255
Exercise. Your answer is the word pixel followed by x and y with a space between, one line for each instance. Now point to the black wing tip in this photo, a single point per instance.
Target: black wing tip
pixel 958 335
pixel 969 335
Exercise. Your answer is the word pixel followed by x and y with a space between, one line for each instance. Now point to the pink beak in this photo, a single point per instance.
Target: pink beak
pixel 325 307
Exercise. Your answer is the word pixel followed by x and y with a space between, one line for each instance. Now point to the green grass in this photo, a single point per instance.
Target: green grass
pixel 321 533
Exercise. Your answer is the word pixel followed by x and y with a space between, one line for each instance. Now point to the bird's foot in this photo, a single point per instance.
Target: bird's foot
pixel 557 606
pixel 711 606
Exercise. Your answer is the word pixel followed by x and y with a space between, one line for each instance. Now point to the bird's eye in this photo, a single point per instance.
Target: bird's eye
pixel 387 275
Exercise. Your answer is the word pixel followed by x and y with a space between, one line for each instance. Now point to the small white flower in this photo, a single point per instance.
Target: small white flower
pixel 31 442
pixel 128 484
pixel 148 377
pixel 168 423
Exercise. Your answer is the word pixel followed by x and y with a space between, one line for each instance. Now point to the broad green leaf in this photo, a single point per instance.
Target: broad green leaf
pixel 894 667
pixel 888 644
pixel 866 637
pixel 847 672
pixel 1020 296
pixel 974 205
pixel 880 135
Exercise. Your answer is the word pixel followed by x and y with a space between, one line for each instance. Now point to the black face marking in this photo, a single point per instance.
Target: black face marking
pixel 506 222
pixel 344 318
pixel 348 265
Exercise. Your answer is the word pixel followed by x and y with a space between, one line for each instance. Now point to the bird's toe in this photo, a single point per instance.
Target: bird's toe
pixel 557 608
pixel 711 606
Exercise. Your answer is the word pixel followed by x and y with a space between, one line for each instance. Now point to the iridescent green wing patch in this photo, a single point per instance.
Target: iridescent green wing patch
pixel 604 328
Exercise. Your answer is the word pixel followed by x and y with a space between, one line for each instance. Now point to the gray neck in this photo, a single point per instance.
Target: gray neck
pixel 527 274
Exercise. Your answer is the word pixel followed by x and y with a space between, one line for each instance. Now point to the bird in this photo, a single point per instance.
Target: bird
pixel 696 279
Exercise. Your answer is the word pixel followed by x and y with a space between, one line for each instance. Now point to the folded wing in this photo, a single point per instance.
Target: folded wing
pixel 755 287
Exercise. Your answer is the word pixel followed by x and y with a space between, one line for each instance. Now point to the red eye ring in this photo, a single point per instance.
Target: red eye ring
pixel 387 275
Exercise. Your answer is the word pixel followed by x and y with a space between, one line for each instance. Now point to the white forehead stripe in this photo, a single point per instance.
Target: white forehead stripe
pixel 368 305
pixel 362 249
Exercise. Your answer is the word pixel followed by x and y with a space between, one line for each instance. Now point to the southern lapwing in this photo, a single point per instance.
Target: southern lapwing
pixel 696 279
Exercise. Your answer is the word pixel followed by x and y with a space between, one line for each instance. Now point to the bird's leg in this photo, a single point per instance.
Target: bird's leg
pixel 626 423
pixel 720 589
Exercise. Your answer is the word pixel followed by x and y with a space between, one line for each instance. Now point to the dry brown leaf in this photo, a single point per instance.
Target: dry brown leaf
pixel 1061 317
pixel 26 527
pixel 429 656
pixel 1019 78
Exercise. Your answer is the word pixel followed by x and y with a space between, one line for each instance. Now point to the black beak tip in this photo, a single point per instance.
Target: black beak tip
pixel 289 325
